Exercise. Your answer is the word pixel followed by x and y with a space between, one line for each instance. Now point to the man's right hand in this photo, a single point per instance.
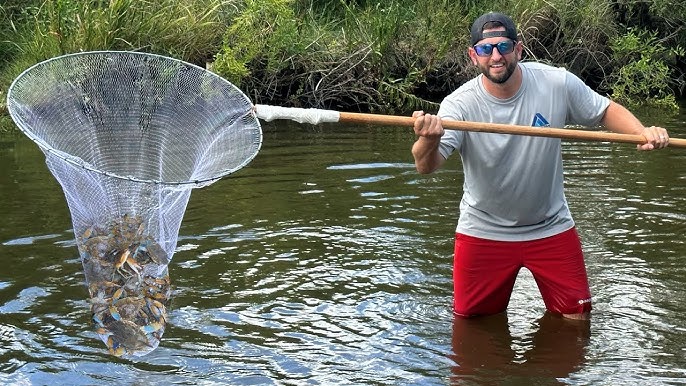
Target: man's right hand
pixel 429 128
pixel 427 125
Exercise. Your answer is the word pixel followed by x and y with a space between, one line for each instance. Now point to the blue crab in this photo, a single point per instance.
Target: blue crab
pixel 127 337
pixel 157 288
pixel 150 251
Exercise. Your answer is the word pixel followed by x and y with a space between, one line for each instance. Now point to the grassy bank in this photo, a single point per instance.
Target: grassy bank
pixel 388 56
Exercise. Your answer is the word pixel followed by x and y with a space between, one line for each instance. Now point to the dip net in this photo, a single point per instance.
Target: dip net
pixel 127 136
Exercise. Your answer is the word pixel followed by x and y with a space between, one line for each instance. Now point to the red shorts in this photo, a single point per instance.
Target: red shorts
pixel 484 273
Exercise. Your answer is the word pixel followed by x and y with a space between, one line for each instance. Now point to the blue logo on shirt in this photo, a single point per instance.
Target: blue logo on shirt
pixel 539 121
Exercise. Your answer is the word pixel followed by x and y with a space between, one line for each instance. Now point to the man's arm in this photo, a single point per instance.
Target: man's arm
pixel 620 120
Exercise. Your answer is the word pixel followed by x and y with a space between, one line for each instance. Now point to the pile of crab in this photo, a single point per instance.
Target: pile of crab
pixel 128 281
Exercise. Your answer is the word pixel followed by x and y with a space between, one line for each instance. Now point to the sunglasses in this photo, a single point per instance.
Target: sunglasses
pixel 505 47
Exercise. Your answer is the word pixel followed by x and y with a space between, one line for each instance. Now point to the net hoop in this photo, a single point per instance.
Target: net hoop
pixel 79 162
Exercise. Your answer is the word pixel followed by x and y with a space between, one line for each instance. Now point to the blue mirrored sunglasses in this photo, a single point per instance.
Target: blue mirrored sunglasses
pixel 505 47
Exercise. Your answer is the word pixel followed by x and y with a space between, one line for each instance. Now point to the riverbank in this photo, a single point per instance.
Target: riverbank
pixel 371 56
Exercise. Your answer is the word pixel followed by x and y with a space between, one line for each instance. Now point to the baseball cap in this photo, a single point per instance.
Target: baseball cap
pixel 478 26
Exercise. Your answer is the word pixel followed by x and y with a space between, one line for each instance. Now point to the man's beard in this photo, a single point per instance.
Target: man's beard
pixel 502 78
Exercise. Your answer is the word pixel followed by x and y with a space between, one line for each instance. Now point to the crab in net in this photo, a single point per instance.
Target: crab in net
pixel 128 284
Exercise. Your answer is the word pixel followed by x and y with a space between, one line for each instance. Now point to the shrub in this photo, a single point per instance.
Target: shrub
pixel 643 76
pixel 263 35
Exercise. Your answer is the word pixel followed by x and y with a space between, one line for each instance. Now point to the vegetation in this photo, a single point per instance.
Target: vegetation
pixel 389 56
pixel 645 73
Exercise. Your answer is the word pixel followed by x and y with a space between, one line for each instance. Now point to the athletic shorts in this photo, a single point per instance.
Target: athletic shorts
pixel 484 273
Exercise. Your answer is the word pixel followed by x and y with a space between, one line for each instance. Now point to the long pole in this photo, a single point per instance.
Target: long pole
pixel 584 135
pixel 316 116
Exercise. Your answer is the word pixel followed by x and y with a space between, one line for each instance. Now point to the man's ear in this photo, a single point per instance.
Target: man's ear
pixel 472 55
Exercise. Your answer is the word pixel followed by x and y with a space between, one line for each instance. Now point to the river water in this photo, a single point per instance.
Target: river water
pixel 327 260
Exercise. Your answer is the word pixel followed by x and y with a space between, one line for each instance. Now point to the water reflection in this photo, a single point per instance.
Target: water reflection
pixel 484 348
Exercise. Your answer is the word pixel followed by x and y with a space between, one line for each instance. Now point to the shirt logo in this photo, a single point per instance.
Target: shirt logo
pixel 539 121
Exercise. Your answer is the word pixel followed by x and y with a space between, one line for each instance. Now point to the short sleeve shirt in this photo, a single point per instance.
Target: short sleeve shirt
pixel 513 185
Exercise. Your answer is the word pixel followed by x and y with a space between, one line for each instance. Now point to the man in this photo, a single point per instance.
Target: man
pixel 513 211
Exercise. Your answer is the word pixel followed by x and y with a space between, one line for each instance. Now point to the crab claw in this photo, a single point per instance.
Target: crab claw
pixel 98 321
pixel 114 347
pixel 117 294
pixel 115 313
pixel 152 327
pixel 134 265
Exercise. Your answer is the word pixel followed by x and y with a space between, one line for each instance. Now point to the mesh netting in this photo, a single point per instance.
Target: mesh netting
pixel 128 135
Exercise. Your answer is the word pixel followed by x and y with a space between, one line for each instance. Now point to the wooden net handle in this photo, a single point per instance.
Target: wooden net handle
pixel 582 135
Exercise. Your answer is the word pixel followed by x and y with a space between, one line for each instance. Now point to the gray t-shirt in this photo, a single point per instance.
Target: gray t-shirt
pixel 513 185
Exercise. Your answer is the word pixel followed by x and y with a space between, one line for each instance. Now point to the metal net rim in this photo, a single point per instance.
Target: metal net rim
pixel 77 161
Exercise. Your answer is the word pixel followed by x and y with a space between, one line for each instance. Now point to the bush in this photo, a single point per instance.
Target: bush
pixel 263 35
pixel 643 76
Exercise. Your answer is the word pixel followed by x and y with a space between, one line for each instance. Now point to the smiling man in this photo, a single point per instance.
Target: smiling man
pixel 513 211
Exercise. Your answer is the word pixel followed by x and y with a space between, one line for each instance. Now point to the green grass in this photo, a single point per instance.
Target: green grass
pixel 186 29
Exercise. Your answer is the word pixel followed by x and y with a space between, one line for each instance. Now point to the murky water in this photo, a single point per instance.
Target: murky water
pixel 328 259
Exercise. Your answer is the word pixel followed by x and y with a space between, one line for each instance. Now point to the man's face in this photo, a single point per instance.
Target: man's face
pixel 497 67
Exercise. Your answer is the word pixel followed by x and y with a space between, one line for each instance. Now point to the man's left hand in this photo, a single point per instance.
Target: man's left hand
pixel 656 138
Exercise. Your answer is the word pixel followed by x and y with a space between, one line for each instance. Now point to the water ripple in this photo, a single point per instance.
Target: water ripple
pixel 329 261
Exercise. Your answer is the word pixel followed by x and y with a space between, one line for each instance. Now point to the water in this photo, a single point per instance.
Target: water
pixel 328 260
